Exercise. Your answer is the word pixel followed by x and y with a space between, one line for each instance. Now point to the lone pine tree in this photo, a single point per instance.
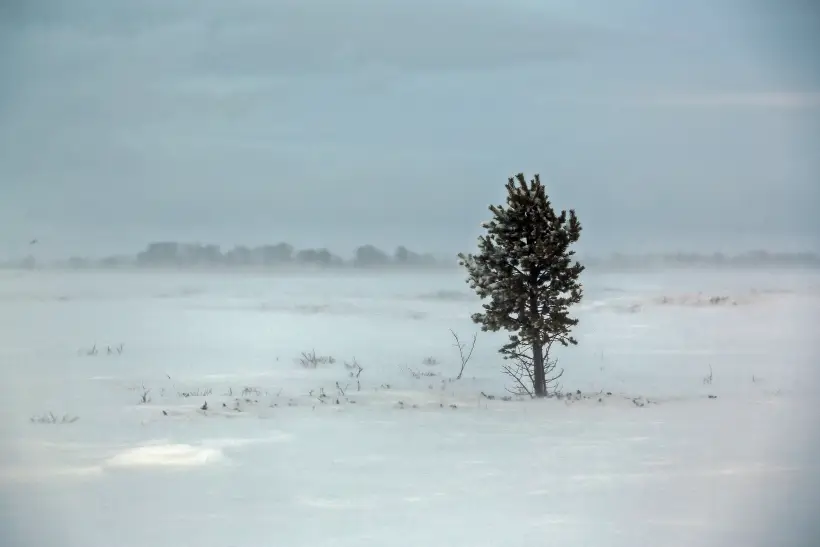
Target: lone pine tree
pixel 524 267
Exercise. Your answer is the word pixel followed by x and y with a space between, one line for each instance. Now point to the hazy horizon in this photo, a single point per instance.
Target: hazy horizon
pixel 249 122
pixel 348 255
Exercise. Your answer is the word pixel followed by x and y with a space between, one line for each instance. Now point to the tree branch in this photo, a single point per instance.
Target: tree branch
pixel 522 388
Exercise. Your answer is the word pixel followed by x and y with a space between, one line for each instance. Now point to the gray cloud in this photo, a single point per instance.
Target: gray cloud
pixel 249 37
pixel 337 124
pixel 778 100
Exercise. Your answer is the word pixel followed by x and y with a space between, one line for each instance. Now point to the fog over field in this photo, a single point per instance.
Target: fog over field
pixel 231 313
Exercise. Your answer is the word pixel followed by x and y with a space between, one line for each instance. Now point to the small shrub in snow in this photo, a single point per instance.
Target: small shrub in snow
pixel 195 393
pixel 707 380
pixel 355 371
pixel 421 374
pixel 90 351
pixel 111 350
pixel 311 360
pixel 51 418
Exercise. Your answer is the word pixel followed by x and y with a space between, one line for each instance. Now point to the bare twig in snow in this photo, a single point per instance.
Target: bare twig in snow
pixel 461 347
pixel 707 380
pixel 355 371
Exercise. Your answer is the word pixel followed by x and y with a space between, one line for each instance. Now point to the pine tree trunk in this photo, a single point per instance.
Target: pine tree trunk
pixel 539 379
pixel 539 387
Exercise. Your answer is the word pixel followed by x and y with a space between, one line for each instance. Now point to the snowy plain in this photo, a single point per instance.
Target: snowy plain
pixel 695 423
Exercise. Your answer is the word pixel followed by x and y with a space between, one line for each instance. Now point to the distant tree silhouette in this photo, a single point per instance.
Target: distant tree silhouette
pixel 239 256
pixel 280 253
pixel 162 253
pixel 403 256
pixel 202 255
pixel 368 256
pixel 317 257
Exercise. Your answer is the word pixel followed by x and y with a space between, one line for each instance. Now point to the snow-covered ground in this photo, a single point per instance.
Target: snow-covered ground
pixel 695 423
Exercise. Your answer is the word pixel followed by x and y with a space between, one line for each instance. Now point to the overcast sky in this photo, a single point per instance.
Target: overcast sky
pixel 664 124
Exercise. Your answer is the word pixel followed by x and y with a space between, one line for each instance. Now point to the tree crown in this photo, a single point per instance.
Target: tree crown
pixel 524 266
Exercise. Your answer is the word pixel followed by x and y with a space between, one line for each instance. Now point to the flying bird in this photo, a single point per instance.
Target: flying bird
pixel 33 242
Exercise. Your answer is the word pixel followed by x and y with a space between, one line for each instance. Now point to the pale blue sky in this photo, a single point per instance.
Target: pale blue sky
pixel 665 124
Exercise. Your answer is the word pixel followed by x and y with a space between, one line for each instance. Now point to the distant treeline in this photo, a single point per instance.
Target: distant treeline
pixel 283 255
pixel 751 259
pixel 195 255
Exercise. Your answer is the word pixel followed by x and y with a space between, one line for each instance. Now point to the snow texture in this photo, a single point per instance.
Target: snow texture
pixel 169 409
